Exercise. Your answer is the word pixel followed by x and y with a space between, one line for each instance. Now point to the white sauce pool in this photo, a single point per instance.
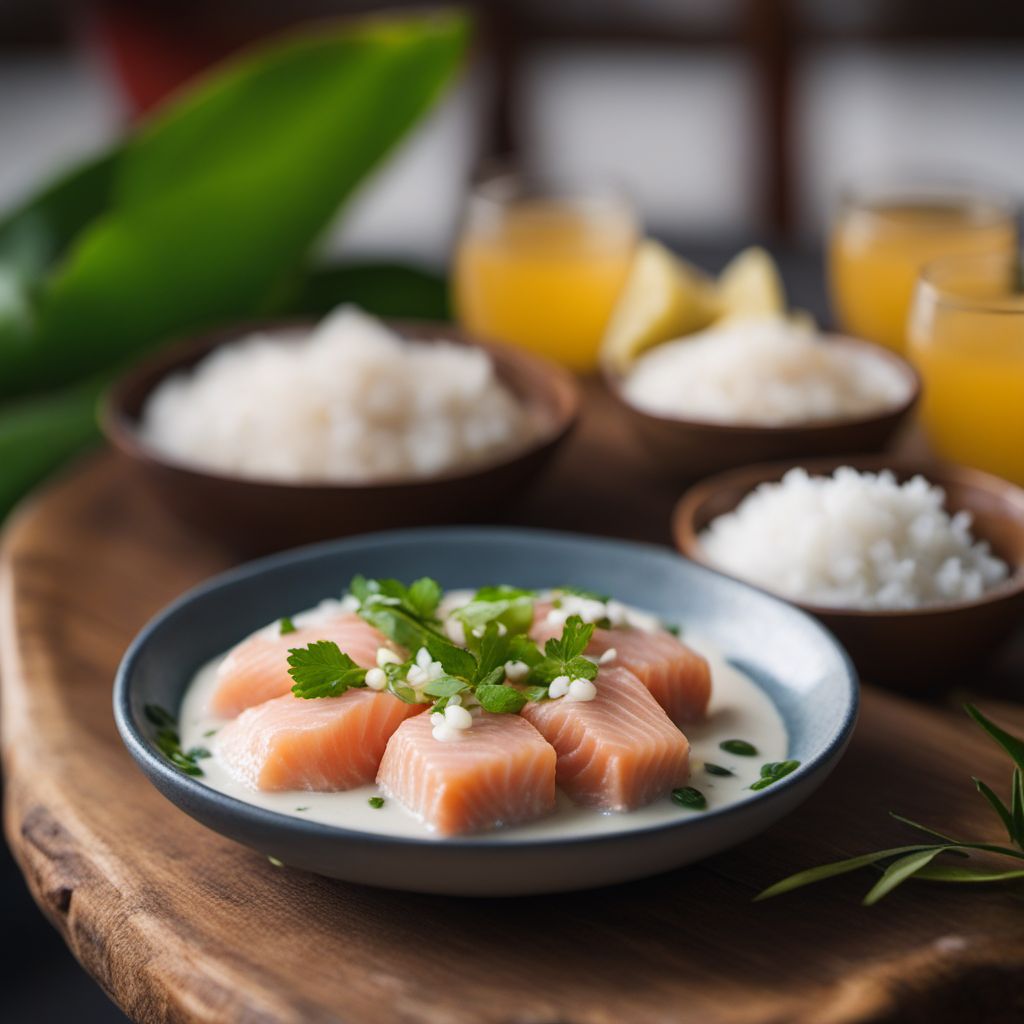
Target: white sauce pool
pixel 739 709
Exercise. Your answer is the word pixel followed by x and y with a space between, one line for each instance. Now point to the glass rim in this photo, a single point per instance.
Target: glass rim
pixel 505 187
pixel 930 282
pixel 988 203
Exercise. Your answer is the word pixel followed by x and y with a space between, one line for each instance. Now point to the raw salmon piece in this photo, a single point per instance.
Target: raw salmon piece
pixel 618 751
pixel 324 744
pixel 257 669
pixel 678 677
pixel 498 772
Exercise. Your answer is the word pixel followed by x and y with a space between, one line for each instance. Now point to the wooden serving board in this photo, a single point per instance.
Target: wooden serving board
pixel 178 924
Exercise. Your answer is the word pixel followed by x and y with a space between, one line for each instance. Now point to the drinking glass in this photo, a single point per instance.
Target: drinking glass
pixel 966 332
pixel 541 264
pixel 884 235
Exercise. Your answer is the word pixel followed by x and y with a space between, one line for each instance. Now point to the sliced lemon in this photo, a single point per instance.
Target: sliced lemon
pixel 751 285
pixel 663 298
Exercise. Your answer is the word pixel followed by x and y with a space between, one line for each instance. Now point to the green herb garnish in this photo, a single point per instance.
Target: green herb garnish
pixel 717 769
pixel 773 771
pixel 689 797
pixel 302 808
pixel 209 733
pixel 321 670
pixel 906 862
pixel 376 802
pixel 286 626
pixel 739 747
pixel 168 742
pixel 563 656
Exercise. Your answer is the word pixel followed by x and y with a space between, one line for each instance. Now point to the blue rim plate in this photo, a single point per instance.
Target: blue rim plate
pixel 799 664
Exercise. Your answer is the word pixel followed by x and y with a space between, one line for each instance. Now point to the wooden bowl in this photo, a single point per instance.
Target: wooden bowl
pixel 253 516
pixel 916 651
pixel 690 449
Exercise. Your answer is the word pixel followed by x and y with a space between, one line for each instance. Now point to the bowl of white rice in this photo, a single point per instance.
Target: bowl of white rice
pixel 759 389
pixel 272 434
pixel 917 568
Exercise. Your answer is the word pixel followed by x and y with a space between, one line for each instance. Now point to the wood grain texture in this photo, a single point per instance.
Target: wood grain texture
pixel 178 924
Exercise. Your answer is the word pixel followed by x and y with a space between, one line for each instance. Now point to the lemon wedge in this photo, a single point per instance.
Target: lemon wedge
pixel 751 285
pixel 663 297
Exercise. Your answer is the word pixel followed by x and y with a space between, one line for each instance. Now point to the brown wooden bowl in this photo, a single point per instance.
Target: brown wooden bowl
pixel 915 651
pixel 251 515
pixel 690 449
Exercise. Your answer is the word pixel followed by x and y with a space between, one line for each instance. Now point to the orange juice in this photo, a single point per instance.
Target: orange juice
pixel 544 274
pixel 966 336
pixel 877 249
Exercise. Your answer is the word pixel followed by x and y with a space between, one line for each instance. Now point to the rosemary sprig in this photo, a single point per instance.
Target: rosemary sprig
pixel 905 862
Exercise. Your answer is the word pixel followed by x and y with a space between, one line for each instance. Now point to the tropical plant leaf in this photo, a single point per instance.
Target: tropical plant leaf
pixel 383 289
pixel 38 434
pixel 216 202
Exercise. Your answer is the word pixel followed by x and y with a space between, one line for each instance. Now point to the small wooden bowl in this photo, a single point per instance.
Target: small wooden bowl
pixel 253 516
pixel 916 651
pixel 691 449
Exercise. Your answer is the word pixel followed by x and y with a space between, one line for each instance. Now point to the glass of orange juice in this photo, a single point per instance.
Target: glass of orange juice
pixel 883 236
pixel 966 333
pixel 541 265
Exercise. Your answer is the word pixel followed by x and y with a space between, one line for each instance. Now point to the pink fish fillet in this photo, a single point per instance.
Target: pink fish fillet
pixel 324 744
pixel 499 772
pixel 618 751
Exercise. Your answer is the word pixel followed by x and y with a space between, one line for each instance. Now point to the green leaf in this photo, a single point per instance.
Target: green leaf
pixel 898 872
pixel 322 670
pixel 514 613
pixel 839 867
pixel 376 802
pixel 38 434
pixel 454 660
pixel 1017 807
pixel 423 597
pixel 717 769
pixel 286 626
pixel 446 686
pixel 573 642
pixel 1011 744
pixel 160 716
pixel 384 289
pixel 999 807
pixel 500 699
pixel 211 209
pixel 689 797
pixel 522 648
pixel 773 771
pixel 739 747
pixel 963 873
pixel 923 828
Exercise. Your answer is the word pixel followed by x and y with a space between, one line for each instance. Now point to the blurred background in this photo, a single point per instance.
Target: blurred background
pixel 727 121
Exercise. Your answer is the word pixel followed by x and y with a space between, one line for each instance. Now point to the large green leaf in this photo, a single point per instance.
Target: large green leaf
pixel 215 204
pixel 37 435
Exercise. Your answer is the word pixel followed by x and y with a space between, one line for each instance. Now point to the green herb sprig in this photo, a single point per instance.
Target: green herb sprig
pixel 497 619
pixel 168 741
pixel 916 861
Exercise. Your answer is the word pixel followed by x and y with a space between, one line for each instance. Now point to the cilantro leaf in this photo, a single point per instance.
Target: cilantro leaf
pixel 446 686
pixel 454 660
pixel 515 614
pixel 322 670
pixel 500 699
pixel 563 656
pixel 423 597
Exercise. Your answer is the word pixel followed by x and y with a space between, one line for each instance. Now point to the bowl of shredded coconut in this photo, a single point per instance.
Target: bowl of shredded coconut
pixel 761 388
pixel 919 569
pixel 281 433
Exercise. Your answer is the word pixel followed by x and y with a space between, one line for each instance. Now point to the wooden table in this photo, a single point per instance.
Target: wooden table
pixel 178 924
